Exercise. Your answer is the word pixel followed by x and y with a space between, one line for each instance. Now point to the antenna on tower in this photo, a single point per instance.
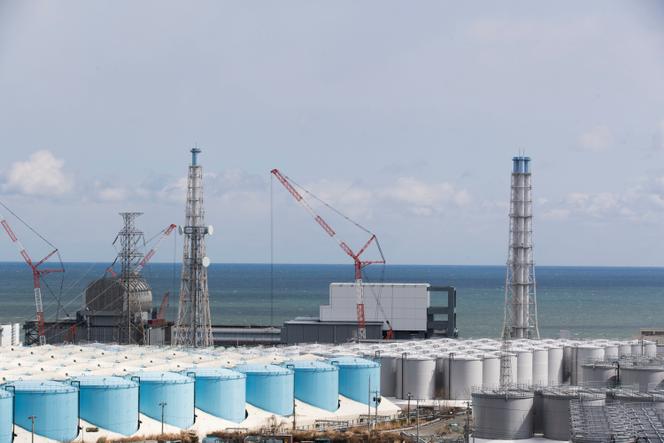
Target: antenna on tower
pixel 520 319
pixel 194 324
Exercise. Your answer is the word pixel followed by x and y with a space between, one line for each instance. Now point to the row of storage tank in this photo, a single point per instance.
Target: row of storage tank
pixel 450 370
pixel 114 403
pixel 510 414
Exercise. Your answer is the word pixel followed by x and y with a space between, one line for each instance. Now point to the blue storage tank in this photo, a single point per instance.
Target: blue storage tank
pixel 54 404
pixel 269 387
pixel 316 383
pixel 109 402
pixel 220 392
pixel 174 391
pixel 356 377
pixel 6 415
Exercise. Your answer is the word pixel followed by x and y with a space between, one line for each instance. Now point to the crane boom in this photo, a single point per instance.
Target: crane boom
pixel 37 274
pixel 356 256
pixel 165 233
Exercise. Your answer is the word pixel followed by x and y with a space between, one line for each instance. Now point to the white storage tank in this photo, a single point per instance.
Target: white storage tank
pixel 503 414
pixel 645 378
pixel 540 367
pixel 524 372
pixel 491 370
pixel 416 375
pixel 650 349
pixel 555 358
pixel 462 374
pixel 599 374
pixel 584 354
pixel 611 352
pixel 624 350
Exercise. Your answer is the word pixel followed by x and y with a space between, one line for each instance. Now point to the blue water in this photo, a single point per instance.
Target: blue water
pixel 589 302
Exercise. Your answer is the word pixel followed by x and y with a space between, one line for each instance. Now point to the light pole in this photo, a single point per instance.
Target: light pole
pixel 408 410
pixel 163 405
pixel 32 418
pixel 417 417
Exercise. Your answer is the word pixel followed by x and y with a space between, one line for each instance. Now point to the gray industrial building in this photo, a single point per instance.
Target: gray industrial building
pixel 407 308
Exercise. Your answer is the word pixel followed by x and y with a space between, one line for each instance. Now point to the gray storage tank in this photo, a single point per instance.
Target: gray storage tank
pixel 388 374
pixel 646 377
pixel 556 409
pixel 416 375
pixel 503 414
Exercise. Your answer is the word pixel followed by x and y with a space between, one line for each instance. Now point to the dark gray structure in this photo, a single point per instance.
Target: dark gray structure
pixel 308 330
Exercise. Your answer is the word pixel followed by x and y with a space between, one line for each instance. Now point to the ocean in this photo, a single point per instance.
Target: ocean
pixel 590 302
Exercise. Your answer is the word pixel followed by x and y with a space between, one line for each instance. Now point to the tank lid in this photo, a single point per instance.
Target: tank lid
pixel 258 369
pixel 157 377
pixel 218 373
pixel 96 381
pixel 310 366
pixel 41 386
pixel 503 393
pixel 353 362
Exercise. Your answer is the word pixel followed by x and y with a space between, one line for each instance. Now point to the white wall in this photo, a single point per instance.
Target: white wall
pixel 10 335
pixel 404 304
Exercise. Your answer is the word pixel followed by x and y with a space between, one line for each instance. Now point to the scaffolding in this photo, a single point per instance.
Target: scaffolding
pixel 616 422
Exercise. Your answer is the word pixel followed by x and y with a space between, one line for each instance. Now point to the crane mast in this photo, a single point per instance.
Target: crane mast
pixel 37 275
pixel 359 264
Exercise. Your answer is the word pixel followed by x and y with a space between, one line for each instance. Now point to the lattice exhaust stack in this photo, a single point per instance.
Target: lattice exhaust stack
pixel 194 325
pixel 520 291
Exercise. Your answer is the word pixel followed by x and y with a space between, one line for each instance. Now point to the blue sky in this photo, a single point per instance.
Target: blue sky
pixel 403 115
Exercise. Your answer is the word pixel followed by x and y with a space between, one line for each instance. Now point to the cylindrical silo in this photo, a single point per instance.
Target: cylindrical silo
pixel 540 367
pixel 637 348
pixel 491 370
pixel 54 404
pixel 220 392
pixel 585 354
pixel 357 377
pixel 316 383
pixel 109 402
pixel 6 415
pixel 388 374
pixel 650 349
pixel 504 415
pixel 599 374
pixel 611 352
pixel 555 366
pixel 624 349
pixel 556 407
pixel 269 387
pixel 416 375
pixel 167 393
pixel 646 378
pixel 462 374
pixel 524 362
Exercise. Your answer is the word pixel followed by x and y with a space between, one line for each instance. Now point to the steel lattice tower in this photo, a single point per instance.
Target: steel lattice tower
pixel 130 239
pixel 520 292
pixel 194 325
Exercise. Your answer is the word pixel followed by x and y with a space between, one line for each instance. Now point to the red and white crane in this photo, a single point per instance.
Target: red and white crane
pixel 356 256
pixel 37 274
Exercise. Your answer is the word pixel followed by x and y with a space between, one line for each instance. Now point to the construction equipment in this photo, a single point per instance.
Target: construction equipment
pixel 160 316
pixel 37 274
pixel 146 258
pixel 356 256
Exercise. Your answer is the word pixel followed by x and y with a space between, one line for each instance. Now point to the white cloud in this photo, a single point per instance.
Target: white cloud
pixel 41 174
pixel 426 198
pixel 598 139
